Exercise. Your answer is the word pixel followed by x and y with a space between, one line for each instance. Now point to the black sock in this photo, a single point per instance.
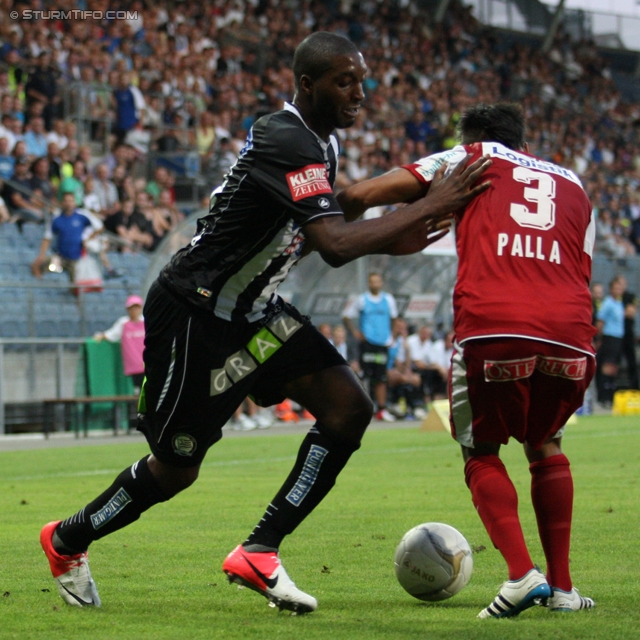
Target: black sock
pixel 320 460
pixel 134 491
pixel 609 388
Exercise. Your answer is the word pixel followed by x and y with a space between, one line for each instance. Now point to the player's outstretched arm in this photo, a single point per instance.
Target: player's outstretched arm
pixel 403 231
pixel 398 185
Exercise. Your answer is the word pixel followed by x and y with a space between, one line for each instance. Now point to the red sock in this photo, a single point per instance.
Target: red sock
pixel 496 501
pixel 552 498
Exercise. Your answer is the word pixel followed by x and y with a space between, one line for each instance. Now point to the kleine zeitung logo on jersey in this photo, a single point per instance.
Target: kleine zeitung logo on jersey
pixel 308 181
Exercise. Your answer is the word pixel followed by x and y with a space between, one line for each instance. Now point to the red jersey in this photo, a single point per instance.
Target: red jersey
pixel 524 250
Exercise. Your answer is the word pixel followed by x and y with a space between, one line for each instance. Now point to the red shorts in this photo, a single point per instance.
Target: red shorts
pixel 525 389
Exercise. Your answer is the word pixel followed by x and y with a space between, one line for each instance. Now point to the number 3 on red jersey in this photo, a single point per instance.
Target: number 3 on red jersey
pixel 543 195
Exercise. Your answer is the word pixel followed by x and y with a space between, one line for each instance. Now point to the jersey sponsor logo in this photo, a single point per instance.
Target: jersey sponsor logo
pixel 508 370
pixel 308 181
pixel 497 150
pixel 110 510
pixel 258 350
pixel 569 368
pixel 183 444
pixel 308 475
pixel 427 167
pixel 528 247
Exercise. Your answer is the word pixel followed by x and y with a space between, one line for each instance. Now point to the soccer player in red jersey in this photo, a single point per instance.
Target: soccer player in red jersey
pixel 523 355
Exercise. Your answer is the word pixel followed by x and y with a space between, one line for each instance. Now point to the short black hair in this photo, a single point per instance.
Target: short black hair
pixel 501 122
pixel 315 54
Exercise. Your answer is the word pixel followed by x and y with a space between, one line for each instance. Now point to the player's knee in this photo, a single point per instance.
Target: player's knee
pixel 173 480
pixel 352 417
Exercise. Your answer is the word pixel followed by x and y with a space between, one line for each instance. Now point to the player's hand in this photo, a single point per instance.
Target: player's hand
pixel 449 194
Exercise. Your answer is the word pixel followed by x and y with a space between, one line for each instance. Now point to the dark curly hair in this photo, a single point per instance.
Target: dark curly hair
pixel 501 122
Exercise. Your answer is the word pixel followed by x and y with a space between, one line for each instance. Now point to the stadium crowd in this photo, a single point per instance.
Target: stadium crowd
pixel 192 77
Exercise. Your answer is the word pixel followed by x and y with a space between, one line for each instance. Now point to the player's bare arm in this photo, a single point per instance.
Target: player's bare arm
pixel 400 185
pixel 403 231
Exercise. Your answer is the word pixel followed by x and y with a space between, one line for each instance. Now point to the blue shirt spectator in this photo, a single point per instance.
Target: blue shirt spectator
pixel 611 312
pixel 7 166
pixel 35 139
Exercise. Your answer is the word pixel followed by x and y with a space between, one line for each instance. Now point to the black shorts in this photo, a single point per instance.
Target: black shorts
pixel 373 361
pixel 610 351
pixel 199 369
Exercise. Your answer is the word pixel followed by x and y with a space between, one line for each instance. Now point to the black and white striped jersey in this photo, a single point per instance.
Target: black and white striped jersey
pixel 254 233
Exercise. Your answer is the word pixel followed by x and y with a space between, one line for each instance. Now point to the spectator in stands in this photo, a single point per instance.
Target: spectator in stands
pixel 7 161
pixel 121 156
pixel 325 329
pixel 35 139
pixel 68 227
pixel 339 340
pixel 205 136
pixel 17 128
pixel 75 183
pixel 167 211
pixel 630 302
pixel 35 109
pixel 129 331
pixel 159 183
pixel 20 151
pixel 131 225
pixel 405 385
pixel 55 163
pixel 5 216
pixel 106 192
pixel 42 86
pixel 129 105
pixel 6 131
pixel 39 181
pixel 57 134
pixel 144 221
pixel 22 203
pixel 634 234
pixel 426 358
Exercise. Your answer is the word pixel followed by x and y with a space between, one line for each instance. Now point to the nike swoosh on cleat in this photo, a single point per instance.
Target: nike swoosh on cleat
pixel 270 582
pixel 82 602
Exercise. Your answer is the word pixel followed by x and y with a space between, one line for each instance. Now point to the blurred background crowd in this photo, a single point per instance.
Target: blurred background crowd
pixel 121 111
pixel 140 117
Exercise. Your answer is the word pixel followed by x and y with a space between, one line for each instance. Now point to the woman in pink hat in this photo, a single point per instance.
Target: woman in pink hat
pixel 129 331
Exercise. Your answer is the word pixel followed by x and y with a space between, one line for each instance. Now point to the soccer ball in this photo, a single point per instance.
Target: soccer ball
pixel 433 561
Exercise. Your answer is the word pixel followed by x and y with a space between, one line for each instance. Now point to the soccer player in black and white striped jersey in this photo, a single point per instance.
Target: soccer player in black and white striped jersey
pixel 216 330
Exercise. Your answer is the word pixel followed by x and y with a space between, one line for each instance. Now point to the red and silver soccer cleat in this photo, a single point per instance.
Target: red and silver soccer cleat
pixel 264 573
pixel 71 573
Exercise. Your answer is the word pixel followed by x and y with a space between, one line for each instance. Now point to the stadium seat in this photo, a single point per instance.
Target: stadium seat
pixel 14 329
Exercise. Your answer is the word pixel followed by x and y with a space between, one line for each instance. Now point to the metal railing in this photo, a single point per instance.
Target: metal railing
pixel 79 298
pixel 58 344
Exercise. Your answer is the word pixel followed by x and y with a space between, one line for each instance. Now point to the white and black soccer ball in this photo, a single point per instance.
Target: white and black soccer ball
pixel 433 561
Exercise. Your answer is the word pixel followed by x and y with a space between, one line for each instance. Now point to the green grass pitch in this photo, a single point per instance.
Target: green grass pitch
pixel 160 578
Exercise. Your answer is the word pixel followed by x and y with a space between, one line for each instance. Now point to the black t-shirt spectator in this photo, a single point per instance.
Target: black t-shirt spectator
pixel 8 191
pixel 44 82
pixel 45 187
pixel 629 323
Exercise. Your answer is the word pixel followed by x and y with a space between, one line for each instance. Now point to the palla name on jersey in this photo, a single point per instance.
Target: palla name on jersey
pixel 528 247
